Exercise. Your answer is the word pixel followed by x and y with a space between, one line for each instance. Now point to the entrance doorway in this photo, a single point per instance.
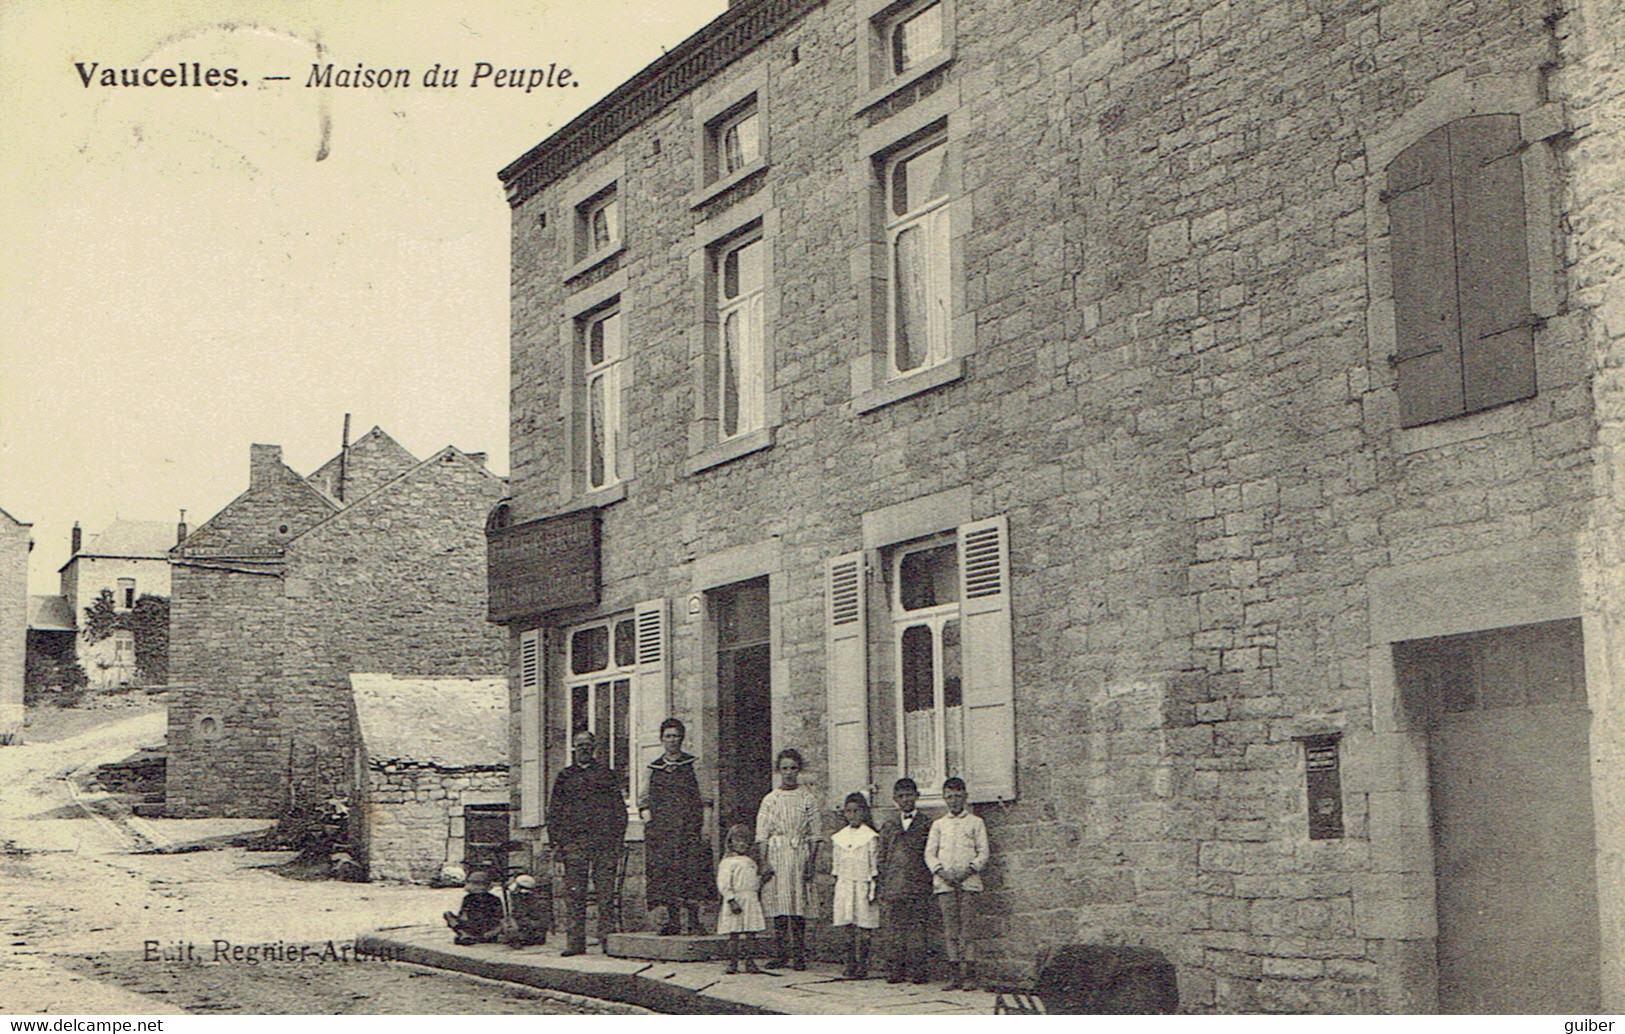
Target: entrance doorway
pixel 744 679
pixel 1513 834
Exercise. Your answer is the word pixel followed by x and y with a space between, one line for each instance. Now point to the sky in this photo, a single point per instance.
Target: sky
pixel 184 271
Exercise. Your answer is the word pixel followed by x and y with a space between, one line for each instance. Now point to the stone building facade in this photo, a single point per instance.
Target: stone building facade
pixel 16 541
pixel 296 584
pixel 1196 424
pixel 129 559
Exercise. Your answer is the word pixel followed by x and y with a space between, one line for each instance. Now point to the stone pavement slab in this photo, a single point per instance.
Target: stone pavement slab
pixel 673 987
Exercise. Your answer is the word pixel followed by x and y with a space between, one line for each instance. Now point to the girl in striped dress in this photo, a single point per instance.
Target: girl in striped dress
pixel 787 833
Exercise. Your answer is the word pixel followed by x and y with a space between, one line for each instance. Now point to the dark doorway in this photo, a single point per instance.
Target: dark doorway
pixel 485 831
pixel 1513 837
pixel 744 759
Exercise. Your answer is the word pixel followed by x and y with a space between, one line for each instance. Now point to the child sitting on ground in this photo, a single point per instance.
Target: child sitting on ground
pixel 530 913
pixel 479 920
pixel 857 849
pixel 741 913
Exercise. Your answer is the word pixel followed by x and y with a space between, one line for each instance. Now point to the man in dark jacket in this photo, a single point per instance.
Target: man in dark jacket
pixel 586 822
pixel 906 911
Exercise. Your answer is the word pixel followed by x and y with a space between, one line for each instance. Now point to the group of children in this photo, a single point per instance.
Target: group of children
pixel 884 880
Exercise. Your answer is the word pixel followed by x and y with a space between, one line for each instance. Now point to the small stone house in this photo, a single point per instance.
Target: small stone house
pixel 374 563
pixel 432 772
pixel 129 559
pixel 15 544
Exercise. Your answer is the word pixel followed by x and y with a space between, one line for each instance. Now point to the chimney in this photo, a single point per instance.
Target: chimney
pixel 180 529
pixel 76 541
pixel 264 464
pixel 344 459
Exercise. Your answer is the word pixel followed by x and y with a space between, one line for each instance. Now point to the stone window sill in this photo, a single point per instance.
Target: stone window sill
pixel 732 449
pixel 594 260
pixel 705 194
pixel 913 384
pixel 594 500
pixel 886 89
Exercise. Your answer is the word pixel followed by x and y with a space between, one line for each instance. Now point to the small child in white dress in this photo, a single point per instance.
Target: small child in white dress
pixel 741 913
pixel 857 850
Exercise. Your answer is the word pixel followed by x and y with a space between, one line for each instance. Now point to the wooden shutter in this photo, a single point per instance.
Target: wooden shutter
pixel 1492 260
pixel 846 675
pixel 532 781
pixel 989 686
pixel 651 690
pixel 1423 253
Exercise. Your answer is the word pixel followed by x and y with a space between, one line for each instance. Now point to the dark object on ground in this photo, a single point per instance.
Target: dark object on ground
pixel 1102 980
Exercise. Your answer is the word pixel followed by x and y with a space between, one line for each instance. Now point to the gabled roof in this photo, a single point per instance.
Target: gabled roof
pixel 9 517
pixel 443 721
pixel 50 614
pixel 380 496
pixel 375 460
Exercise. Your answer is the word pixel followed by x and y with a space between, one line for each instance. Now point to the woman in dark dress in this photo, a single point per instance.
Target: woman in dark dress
pixel 677 860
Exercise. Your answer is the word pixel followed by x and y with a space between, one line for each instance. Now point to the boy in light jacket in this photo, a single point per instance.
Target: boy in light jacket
pixel 956 852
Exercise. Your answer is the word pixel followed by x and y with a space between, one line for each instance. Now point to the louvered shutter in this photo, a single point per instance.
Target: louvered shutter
pixel 651 690
pixel 846 676
pixel 989 682
pixel 532 781
pixel 1422 247
pixel 1492 261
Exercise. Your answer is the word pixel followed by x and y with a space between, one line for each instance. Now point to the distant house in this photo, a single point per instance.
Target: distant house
pixel 376 562
pixel 130 559
pixel 432 768
pixel 15 543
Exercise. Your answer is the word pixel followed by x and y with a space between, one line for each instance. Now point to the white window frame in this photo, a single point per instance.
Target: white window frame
pixel 734 98
pixel 604 376
pixel 595 680
pixel 879 21
pixel 746 113
pixel 126 594
pixel 588 196
pixel 932 220
pixel 748 307
pixel 935 618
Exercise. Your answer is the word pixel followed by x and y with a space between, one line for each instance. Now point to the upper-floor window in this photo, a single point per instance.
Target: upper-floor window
pixel 917 240
pixel 598 224
pixel 740 387
pixel 126 593
pixel 602 351
pixel 738 140
pixel 1460 261
pixel 914 37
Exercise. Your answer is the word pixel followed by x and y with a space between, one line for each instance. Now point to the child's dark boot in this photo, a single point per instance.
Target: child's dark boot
pixel 798 934
pixel 781 937
pixel 862 969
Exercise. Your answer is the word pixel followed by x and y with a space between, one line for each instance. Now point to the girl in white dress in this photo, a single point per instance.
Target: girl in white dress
pixel 741 913
pixel 857 849
pixel 787 833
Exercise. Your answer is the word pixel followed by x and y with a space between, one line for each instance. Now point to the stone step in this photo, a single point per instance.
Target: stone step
pixel 682 948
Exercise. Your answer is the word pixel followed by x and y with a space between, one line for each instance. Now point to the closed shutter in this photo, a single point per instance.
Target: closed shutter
pixel 1423 250
pixel 1492 260
pixel 532 784
pixel 651 691
pixel 846 675
pixel 989 686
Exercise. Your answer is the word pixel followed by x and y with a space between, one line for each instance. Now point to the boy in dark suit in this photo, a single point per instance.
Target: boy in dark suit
pixel 905 887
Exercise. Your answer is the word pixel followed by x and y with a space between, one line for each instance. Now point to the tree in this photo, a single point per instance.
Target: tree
pixel 148 624
pixel 54 680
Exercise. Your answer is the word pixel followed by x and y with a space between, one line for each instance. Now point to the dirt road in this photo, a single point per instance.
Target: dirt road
pixel 82 916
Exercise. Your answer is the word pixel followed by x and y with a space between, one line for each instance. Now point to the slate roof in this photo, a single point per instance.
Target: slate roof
pixel 446 722
pixel 50 614
pixel 132 539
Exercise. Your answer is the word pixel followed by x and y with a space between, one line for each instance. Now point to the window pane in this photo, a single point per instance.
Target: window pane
pixel 919 693
pixel 626 644
pixel 739 144
pixel 952 663
pixel 730 275
pixel 749 258
pixel 622 752
pixel 595 343
pixel 589 650
pixel 606 224
pixel 919 179
pixel 916 37
pixel 601 727
pixel 597 434
pixel 730 373
pixel 910 340
pixel 578 709
pixel 604 339
pixel 928 577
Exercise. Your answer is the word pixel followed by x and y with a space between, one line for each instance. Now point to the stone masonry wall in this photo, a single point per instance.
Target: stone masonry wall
pixel 395 583
pixel 414 817
pixel 14 546
pixel 1163 239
